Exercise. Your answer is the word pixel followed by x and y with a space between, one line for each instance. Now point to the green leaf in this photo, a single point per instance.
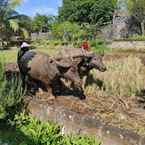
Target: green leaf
pixel 14 24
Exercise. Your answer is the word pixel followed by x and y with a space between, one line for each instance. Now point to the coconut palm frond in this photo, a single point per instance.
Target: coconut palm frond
pixel 14 24
pixel 25 33
pixel 11 21
pixel 14 3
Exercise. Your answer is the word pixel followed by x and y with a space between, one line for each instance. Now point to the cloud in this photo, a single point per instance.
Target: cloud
pixel 25 1
pixel 45 10
pixel 59 3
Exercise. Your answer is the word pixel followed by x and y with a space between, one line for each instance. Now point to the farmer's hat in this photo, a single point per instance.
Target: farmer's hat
pixel 24 44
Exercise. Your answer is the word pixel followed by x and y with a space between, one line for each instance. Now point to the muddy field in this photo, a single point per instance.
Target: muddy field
pixel 121 110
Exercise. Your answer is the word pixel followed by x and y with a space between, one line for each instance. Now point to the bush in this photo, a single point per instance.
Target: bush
pixel 98 46
pixel 137 37
pixel 66 31
pixel 11 93
pixel 47 133
pixel 133 38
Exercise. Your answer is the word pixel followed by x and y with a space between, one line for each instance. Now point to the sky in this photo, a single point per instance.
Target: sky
pixel 31 7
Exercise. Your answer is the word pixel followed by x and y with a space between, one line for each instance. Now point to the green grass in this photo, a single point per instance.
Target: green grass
pixel 8 55
pixel 11 55
pixel 133 38
pixel 30 131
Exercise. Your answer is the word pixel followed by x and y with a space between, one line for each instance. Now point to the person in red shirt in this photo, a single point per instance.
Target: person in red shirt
pixel 85 45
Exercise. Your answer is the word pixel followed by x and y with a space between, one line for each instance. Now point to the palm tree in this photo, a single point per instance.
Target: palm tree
pixel 9 20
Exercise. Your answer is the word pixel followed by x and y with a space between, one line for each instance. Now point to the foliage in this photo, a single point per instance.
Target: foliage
pixel 10 93
pixel 89 30
pixel 137 38
pixel 87 11
pixel 101 12
pixel 66 31
pixel 9 19
pixel 42 23
pixel 137 9
pixel 99 46
pixel 47 133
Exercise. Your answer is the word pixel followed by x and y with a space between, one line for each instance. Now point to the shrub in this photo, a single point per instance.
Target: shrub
pixel 133 38
pixel 40 42
pixel 55 42
pixel 11 92
pixel 137 38
pixel 47 133
pixel 66 31
pixel 98 46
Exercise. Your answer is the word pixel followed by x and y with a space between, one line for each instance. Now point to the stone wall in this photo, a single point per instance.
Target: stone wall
pixel 125 26
pixel 35 36
pixel 137 45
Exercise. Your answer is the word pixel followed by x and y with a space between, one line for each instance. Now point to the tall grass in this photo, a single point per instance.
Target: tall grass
pixel 124 77
pixel 11 92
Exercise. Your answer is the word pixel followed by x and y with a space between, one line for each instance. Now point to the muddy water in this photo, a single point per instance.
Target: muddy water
pixel 78 122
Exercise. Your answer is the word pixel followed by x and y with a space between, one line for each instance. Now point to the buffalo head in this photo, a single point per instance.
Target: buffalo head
pixel 95 61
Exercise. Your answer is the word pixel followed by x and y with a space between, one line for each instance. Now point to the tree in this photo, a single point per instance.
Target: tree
pixel 42 23
pixel 87 11
pixel 137 9
pixel 66 31
pixel 102 12
pixel 9 19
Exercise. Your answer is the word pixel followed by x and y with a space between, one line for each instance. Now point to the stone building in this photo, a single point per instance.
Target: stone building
pixel 124 25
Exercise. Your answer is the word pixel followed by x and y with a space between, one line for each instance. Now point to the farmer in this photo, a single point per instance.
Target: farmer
pixel 23 49
pixel 85 46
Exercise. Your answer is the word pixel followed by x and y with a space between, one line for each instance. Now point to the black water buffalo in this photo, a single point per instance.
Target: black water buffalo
pixel 85 63
pixel 46 71
pixel 89 62
pixel 85 60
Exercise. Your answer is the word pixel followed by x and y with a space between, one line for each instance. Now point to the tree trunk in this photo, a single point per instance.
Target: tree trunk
pixel 142 28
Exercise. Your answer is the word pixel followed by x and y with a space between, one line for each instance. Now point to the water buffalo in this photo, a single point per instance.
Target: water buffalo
pixel 89 62
pixel 46 71
pixel 85 63
pixel 85 60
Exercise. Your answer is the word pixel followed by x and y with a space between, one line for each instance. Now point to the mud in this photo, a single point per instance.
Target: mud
pixel 83 120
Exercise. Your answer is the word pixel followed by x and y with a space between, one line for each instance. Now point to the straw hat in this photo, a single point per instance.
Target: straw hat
pixel 24 44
